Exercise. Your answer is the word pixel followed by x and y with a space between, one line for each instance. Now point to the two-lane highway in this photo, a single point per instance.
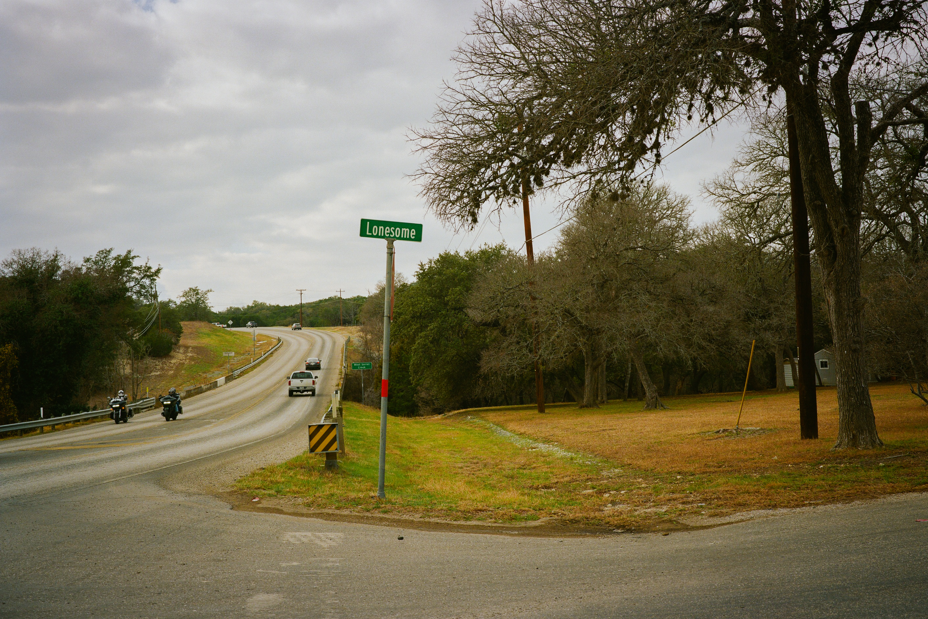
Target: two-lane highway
pixel 121 521
pixel 251 410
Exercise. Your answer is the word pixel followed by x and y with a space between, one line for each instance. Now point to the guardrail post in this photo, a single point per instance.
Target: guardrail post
pixel 337 417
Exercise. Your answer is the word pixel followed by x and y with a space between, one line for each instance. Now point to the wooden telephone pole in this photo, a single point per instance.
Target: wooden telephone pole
pixel 301 291
pixel 341 322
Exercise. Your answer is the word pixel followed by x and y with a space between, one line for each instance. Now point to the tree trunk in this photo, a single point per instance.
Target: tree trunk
pixel 856 422
pixel 603 386
pixel 593 360
pixel 651 399
pixel 628 379
pixel 696 378
pixel 835 212
pixel 573 389
pixel 781 372
pixel 792 368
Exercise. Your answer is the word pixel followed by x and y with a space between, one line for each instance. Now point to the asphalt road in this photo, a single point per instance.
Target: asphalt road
pixel 119 521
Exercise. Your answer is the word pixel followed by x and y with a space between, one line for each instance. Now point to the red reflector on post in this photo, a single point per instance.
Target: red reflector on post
pixel 384 388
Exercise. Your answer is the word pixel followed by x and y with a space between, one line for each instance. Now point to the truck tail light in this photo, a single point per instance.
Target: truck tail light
pixel 289 383
pixel 314 382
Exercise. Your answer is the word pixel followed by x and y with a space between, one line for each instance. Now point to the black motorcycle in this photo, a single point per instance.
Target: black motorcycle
pixel 119 411
pixel 171 407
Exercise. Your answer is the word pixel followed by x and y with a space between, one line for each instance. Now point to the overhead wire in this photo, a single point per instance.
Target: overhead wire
pixel 637 176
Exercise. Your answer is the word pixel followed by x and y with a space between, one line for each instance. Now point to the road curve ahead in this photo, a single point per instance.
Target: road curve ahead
pixel 118 521
pixel 250 411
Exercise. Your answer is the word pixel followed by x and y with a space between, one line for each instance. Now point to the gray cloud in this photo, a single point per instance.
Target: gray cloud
pixel 235 143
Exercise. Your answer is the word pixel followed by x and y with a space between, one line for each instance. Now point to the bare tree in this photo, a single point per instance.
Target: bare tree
pixel 622 253
pixel 567 89
pixel 753 236
pixel 896 186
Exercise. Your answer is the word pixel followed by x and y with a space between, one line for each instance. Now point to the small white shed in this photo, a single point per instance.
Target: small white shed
pixel 824 364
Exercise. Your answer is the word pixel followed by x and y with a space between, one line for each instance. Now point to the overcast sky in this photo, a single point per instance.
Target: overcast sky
pixel 238 143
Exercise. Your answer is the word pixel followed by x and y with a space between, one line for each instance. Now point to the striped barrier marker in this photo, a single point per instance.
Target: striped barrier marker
pixel 323 438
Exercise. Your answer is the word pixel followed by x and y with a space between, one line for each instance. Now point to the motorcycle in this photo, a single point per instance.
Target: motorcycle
pixel 171 407
pixel 118 411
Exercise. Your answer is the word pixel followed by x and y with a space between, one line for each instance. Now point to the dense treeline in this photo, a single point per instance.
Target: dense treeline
pixel 68 330
pixel 578 94
pixel 329 312
pixel 633 301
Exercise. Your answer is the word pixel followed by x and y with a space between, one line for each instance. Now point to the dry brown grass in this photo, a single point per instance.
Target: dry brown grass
pixel 684 438
pixel 197 359
pixel 618 467
pixel 766 465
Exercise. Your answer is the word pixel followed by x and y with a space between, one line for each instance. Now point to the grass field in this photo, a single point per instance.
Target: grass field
pixel 198 357
pixel 616 467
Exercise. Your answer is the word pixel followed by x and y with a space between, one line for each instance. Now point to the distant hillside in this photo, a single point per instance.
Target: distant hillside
pixel 330 312
pixel 197 359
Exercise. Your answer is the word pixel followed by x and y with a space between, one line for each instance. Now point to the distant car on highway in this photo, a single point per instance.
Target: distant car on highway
pixel 251 324
pixel 313 363
pixel 301 382
pixel 296 326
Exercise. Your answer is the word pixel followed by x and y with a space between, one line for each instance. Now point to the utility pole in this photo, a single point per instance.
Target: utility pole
pixel 530 254
pixel 808 407
pixel 341 322
pixel 301 291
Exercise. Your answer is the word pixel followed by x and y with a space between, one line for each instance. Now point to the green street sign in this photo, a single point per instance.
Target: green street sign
pixel 391 230
pixel 364 365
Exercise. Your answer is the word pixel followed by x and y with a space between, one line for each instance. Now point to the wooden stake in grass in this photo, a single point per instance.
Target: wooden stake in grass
pixel 743 393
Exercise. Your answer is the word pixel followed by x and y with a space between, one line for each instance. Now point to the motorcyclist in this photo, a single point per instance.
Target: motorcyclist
pixel 122 400
pixel 172 393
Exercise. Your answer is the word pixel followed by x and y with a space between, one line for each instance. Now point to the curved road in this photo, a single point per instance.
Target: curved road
pixel 121 521
pixel 251 410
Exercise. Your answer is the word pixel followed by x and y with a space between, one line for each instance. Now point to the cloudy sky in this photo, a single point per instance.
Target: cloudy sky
pixel 238 143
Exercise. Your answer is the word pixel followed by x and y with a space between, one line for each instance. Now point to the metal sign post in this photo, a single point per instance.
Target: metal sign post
pixel 391 231
pixel 361 366
pixel 385 377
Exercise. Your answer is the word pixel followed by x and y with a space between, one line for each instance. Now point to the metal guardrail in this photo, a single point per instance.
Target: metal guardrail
pixel 335 413
pixel 57 421
pixel 140 405
pixel 336 404
pixel 238 371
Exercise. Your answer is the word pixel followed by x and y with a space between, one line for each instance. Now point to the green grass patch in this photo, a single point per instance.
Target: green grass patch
pixel 450 469
pixel 612 467
pixel 210 343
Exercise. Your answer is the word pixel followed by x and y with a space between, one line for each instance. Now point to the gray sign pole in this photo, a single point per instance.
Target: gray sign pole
pixel 384 386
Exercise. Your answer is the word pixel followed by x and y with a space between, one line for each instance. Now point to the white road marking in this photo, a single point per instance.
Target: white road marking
pixel 263 601
pixel 326 540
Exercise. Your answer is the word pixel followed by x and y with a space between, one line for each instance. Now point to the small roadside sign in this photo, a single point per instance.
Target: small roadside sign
pixel 391 230
pixel 364 365
pixel 323 438
pixel 228 354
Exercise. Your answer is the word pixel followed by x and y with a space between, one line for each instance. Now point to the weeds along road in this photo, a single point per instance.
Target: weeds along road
pixel 123 521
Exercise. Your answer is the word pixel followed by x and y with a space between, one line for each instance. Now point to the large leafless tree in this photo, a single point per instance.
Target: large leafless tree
pixel 557 90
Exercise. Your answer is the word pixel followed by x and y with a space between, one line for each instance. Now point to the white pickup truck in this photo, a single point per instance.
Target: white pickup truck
pixel 301 382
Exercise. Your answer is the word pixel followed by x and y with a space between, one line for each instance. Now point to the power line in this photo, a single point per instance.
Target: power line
pixel 637 176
